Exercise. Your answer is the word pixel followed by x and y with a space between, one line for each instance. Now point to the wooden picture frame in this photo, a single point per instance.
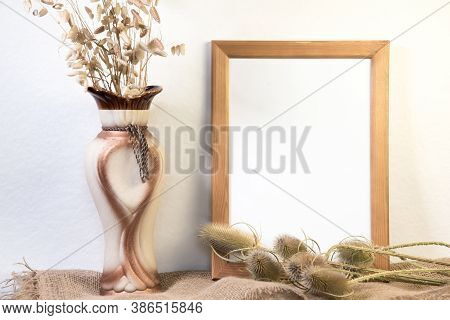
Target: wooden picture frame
pixel 376 51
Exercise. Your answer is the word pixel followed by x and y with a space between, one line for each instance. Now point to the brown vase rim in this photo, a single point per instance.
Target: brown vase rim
pixel 110 101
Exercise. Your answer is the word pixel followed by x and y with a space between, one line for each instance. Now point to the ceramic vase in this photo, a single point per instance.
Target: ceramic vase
pixel 124 169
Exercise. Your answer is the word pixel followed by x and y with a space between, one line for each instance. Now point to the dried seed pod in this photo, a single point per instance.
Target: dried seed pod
pixel 160 53
pixel 155 15
pixel 182 49
pixel 144 9
pixel 359 258
pixel 48 2
pixel 154 45
pixel 102 42
pixel 326 282
pixel 124 12
pixel 76 65
pixel 100 12
pixel 64 16
pixel 76 73
pixel 99 30
pixel 127 22
pixel 143 33
pixel 137 18
pixel 137 3
pixel 87 34
pixel 137 55
pixel 299 262
pixel 125 38
pixel 58 6
pixel 116 49
pixel 70 54
pixel 224 239
pixel 117 9
pixel 89 12
pixel 286 246
pixel 27 5
pixel 131 92
pixel 178 50
pixel 42 12
pixel 122 62
pixel 262 265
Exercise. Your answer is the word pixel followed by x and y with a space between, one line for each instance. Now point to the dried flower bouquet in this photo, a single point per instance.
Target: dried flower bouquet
pixel 109 42
pixel 331 274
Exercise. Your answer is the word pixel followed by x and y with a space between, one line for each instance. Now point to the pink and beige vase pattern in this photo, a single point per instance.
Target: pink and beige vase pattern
pixel 126 202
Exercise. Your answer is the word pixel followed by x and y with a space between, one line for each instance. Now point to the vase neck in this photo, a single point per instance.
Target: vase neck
pixel 123 118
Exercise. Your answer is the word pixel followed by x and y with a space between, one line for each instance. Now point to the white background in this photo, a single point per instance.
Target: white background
pixel 46 121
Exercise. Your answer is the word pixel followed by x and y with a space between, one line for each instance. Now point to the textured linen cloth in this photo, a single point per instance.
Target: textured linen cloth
pixel 197 285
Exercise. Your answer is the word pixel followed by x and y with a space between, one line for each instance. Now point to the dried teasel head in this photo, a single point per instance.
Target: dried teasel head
pixel 326 282
pixel 299 262
pixel 263 266
pixel 355 257
pixel 225 239
pixel 286 246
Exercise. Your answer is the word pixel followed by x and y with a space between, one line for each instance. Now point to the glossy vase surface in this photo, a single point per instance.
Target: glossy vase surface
pixel 124 170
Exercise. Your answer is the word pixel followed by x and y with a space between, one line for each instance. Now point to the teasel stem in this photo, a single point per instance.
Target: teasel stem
pixel 400 278
pixel 386 252
pixel 415 244
pixel 231 252
pixel 299 285
pixel 395 272
pixel 252 230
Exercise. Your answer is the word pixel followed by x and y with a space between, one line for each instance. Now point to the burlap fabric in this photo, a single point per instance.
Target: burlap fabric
pixel 197 285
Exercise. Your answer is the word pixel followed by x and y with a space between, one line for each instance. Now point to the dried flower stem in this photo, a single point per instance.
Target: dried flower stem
pixel 417 279
pixel 415 244
pixel 385 252
pixel 396 272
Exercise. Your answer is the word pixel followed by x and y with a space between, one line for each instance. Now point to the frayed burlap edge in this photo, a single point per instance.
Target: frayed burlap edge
pixel 22 285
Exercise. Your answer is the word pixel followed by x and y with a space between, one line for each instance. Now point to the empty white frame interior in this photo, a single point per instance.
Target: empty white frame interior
pixel 300 147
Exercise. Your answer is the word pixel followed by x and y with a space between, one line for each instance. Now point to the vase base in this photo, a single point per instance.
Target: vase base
pixel 124 293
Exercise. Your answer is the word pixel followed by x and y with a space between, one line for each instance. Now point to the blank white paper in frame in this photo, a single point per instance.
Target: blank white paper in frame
pixel 310 169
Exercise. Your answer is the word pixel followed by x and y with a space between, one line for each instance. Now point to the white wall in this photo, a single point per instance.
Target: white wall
pixel 46 121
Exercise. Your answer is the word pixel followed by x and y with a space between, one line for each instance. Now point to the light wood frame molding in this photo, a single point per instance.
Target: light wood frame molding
pixel 377 51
